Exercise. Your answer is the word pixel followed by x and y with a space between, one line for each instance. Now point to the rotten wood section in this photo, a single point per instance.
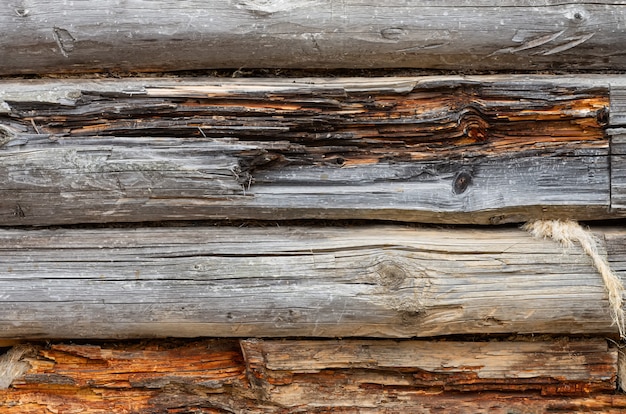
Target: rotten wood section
pixel 288 369
pixel 288 376
pixel 618 168
pixel 485 150
pixel 371 281
pixel 38 37
pixel 170 376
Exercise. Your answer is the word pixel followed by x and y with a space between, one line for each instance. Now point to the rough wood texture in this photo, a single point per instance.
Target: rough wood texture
pixel 38 36
pixel 209 376
pixel 296 281
pixel 435 149
pixel 165 376
pixel 618 105
pixel 292 372
pixel 618 168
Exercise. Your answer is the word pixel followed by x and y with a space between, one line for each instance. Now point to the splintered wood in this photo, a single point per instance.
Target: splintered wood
pixel 435 149
pixel 284 376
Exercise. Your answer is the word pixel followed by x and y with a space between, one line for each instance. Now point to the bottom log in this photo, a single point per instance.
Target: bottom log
pixel 285 376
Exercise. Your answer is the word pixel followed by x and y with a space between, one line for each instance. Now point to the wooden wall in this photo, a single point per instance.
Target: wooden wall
pixel 309 206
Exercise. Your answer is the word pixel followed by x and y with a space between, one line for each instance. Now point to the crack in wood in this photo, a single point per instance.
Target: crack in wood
pixel 189 146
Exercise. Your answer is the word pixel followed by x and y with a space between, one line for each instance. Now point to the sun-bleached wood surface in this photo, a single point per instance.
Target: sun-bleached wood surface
pixel 368 281
pixel 80 36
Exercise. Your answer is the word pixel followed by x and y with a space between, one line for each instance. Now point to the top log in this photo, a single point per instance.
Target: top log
pixel 42 37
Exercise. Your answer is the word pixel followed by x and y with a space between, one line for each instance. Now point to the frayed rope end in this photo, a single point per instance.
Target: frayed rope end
pixel 568 232
pixel 12 366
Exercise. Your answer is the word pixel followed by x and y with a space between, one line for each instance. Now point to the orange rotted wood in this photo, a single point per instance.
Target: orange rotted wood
pixel 289 376
pixel 130 377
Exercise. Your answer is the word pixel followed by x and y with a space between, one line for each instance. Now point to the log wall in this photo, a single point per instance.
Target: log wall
pixel 303 315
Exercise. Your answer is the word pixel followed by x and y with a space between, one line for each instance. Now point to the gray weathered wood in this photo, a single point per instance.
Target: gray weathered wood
pixel 618 168
pixel 294 281
pixel 38 36
pixel 617 134
pixel 490 149
pixel 618 105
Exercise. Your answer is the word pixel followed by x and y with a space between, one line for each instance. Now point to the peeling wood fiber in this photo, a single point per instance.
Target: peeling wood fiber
pixel 39 37
pixel 285 376
pixel 485 150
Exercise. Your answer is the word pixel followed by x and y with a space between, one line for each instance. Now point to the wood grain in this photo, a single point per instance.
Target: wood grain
pixel 285 376
pixel 485 150
pixel 130 378
pixel 376 281
pixel 618 168
pixel 292 370
pixel 38 37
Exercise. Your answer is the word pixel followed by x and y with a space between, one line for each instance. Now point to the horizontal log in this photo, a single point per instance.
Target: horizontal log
pixel 389 402
pixel 37 36
pixel 396 282
pixel 339 375
pixel 130 378
pixel 480 150
pixel 292 371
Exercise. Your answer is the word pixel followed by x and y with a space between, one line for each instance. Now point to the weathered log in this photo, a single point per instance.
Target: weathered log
pixel 296 281
pixel 37 36
pixel 131 378
pixel 435 149
pixel 389 402
pixel 292 372
pixel 339 375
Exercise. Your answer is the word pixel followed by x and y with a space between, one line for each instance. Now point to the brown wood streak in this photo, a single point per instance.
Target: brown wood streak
pixel 375 153
pixel 131 377
pixel 288 370
pixel 420 125
pixel 208 376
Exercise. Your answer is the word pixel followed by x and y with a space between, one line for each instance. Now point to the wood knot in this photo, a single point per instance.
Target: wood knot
pixel 577 16
pixel 6 135
pixel 22 12
pixel 391 275
pixel 393 33
pixel 461 183
pixel 474 128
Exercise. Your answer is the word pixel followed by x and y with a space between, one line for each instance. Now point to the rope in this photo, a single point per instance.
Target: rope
pixel 566 232
pixel 12 366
